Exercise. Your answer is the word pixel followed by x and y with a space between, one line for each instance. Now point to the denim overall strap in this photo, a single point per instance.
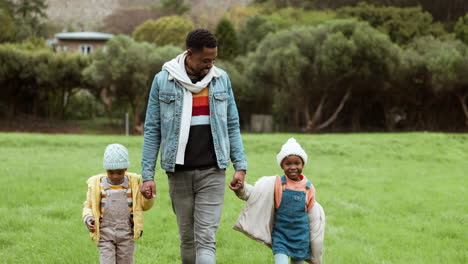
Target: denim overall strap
pixel 283 180
pixel 291 232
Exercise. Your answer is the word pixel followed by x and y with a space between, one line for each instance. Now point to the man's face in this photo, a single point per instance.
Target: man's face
pixel 200 62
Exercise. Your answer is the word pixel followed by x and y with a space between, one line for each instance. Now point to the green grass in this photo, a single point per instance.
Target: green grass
pixel 389 198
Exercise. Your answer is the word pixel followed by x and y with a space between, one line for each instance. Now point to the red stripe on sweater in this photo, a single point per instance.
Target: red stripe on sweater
pixel 200 101
pixel 200 110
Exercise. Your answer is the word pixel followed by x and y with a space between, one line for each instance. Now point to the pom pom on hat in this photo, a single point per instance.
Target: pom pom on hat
pixel 116 157
pixel 291 147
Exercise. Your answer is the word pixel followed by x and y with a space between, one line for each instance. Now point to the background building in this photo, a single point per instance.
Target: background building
pixel 83 42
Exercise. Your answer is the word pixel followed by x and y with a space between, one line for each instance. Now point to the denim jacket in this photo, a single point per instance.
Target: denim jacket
pixel 162 124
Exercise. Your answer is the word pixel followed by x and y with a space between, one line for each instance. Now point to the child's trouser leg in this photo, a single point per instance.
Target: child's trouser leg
pixel 106 252
pixel 116 245
pixel 106 246
pixel 124 251
pixel 281 259
pixel 284 259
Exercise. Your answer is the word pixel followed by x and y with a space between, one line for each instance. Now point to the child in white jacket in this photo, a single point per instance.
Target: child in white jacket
pixel 281 211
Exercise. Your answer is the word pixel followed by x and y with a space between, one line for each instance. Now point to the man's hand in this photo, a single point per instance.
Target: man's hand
pixel 237 180
pixel 90 225
pixel 148 189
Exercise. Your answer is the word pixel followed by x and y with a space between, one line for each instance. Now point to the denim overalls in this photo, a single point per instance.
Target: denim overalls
pixel 291 232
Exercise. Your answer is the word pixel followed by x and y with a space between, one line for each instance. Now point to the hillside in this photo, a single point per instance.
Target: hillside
pixel 87 14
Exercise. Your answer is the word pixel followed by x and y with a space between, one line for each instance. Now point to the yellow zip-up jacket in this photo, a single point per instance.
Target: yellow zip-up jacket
pixel 92 205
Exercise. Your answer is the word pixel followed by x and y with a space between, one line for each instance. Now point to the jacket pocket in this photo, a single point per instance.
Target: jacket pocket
pixel 167 105
pixel 221 103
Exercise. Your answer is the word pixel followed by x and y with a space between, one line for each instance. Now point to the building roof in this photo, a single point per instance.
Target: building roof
pixel 84 35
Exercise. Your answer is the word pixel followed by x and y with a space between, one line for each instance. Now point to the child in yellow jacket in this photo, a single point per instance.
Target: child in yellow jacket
pixel 113 210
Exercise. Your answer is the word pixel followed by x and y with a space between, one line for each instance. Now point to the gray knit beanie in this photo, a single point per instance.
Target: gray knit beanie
pixel 116 157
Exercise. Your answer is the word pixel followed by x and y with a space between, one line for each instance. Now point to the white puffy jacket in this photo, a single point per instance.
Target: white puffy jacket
pixel 257 217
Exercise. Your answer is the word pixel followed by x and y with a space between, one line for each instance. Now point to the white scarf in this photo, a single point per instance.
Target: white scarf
pixel 176 69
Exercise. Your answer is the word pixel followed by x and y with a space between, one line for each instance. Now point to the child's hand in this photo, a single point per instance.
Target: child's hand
pixel 236 187
pixel 90 225
pixel 147 194
pixel 148 189
pixel 237 180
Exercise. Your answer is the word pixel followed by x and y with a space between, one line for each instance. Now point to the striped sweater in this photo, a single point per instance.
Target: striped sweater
pixel 199 152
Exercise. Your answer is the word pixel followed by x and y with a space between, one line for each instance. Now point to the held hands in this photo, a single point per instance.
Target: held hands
pixel 237 182
pixel 90 225
pixel 148 189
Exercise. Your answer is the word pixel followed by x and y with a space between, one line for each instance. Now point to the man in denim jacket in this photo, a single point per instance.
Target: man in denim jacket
pixel 192 119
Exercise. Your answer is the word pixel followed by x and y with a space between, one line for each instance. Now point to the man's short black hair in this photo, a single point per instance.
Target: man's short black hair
pixel 199 38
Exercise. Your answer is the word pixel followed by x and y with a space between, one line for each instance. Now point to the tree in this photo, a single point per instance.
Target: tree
pixel 38 81
pixel 281 3
pixel 447 10
pixel 237 15
pixel 146 31
pixel 321 69
pixel 32 9
pixel 176 7
pixel 461 29
pixel 7 30
pixel 15 74
pixel 447 62
pixel 401 24
pixel 432 84
pixel 171 30
pixel 27 15
pixel 124 72
pixel 228 44
pixel 56 78
pixel 7 5
pixel 124 21
pixel 255 29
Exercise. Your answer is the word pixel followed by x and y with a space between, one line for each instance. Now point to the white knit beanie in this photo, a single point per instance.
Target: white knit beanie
pixel 116 157
pixel 291 147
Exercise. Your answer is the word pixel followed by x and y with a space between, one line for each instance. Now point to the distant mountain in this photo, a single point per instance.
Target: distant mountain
pixel 88 14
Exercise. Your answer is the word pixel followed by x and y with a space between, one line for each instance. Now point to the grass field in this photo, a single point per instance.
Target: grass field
pixel 389 198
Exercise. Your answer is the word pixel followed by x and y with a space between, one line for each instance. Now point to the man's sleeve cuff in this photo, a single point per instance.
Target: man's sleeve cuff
pixel 240 165
pixel 147 175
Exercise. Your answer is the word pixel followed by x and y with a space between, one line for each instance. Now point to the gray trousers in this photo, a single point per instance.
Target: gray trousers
pixel 197 200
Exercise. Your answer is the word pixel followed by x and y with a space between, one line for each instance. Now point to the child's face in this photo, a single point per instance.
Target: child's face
pixel 292 166
pixel 116 176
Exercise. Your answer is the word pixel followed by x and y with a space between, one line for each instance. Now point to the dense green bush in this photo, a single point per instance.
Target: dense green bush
pixel 401 24
pixel 170 30
pixel 38 81
pixel 124 72
pixel 228 44
pixel 84 105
